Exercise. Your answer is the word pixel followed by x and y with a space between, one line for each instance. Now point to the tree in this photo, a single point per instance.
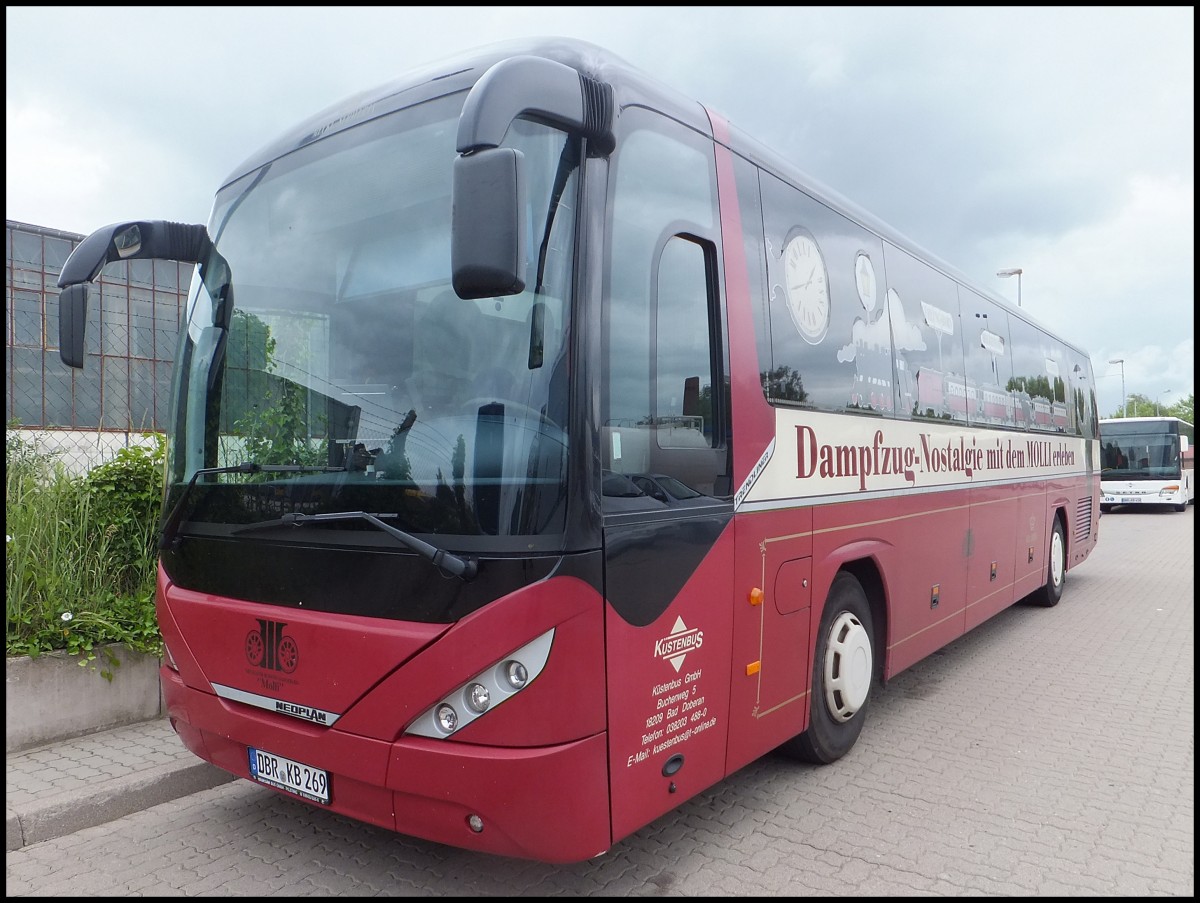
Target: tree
pixel 783 384
pixel 271 413
pixel 1141 406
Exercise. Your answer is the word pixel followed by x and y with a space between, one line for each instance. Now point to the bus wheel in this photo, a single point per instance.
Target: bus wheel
pixel 843 670
pixel 1056 570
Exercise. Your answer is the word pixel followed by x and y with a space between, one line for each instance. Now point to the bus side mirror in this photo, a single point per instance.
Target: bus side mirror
pixel 141 239
pixel 72 318
pixel 1183 443
pixel 488 227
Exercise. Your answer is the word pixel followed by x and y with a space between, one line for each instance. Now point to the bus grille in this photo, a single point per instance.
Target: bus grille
pixel 1083 518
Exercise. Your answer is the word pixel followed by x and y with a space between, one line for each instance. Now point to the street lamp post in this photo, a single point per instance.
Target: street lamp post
pixel 1014 271
pixel 1124 397
pixel 1157 397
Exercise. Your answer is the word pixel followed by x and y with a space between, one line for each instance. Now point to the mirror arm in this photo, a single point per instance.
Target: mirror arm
pixel 143 239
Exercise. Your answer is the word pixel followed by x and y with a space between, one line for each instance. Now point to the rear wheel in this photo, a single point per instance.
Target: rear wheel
pixel 843 671
pixel 1056 569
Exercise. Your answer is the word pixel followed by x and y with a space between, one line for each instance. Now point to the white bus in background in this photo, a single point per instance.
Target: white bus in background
pixel 1147 461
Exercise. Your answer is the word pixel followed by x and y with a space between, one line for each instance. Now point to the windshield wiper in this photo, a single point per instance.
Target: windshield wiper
pixel 447 562
pixel 171 524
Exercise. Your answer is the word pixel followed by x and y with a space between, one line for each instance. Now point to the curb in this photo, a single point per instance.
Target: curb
pixel 65 813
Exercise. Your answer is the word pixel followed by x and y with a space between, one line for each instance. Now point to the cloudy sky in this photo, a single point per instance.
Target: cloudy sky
pixel 1060 141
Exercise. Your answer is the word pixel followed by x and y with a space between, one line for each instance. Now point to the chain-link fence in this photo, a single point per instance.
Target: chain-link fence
pixel 79 452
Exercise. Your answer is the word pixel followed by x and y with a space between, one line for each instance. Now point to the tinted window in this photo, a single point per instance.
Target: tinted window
pixel 988 360
pixel 1039 363
pixel 830 347
pixel 922 304
pixel 663 397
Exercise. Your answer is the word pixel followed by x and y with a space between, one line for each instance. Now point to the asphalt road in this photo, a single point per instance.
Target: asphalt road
pixel 1050 752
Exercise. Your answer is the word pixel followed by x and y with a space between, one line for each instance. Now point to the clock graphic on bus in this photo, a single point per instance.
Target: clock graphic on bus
pixel 806 286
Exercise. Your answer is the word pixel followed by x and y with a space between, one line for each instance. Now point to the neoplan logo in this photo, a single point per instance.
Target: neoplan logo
pixel 270 648
pixel 306 712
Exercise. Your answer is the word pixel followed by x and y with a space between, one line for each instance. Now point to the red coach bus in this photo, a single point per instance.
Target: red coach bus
pixel 406 572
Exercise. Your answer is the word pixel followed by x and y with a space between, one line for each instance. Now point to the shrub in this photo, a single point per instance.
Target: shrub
pixel 125 498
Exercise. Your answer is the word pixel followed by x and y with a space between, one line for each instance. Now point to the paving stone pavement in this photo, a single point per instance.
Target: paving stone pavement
pixel 63 787
pixel 1049 752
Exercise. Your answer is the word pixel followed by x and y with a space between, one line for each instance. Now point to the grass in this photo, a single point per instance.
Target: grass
pixel 79 552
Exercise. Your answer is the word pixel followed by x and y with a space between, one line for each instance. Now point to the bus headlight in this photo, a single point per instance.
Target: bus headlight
pixel 447 718
pixel 485 691
pixel 516 674
pixel 478 698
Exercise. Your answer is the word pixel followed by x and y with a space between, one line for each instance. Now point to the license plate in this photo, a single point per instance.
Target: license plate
pixel 1125 500
pixel 287 774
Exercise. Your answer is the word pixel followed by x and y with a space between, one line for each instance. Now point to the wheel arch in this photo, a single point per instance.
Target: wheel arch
pixel 869 575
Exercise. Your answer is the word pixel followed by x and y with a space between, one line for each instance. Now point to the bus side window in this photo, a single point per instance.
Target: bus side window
pixel 683 362
pixel 831 341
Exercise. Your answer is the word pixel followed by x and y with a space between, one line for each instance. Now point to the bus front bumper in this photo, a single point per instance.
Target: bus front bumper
pixel 1164 497
pixel 548 804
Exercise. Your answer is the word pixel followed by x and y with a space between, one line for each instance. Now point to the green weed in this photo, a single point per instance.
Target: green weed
pixel 80 558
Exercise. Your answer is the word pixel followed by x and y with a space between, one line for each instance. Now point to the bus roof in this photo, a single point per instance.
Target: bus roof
pixel 460 71
pixel 632 87
pixel 1160 419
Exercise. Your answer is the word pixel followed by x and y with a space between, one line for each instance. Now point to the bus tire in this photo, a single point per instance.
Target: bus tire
pixel 842 675
pixel 1056 569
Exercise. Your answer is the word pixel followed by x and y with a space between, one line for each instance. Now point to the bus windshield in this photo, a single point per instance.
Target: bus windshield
pixel 1140 449
pixel 324 332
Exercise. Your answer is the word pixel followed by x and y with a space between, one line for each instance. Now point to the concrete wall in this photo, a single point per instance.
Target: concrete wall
pixel 51 697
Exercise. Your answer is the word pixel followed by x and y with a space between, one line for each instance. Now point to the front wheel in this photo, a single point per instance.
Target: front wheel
pixel 843 671
pixel 1056 569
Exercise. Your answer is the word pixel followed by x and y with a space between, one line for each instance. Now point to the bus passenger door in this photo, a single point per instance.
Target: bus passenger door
pixel 668 581
pixel 664 455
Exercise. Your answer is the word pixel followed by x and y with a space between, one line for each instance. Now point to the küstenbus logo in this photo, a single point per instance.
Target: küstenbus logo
pixel 675 646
